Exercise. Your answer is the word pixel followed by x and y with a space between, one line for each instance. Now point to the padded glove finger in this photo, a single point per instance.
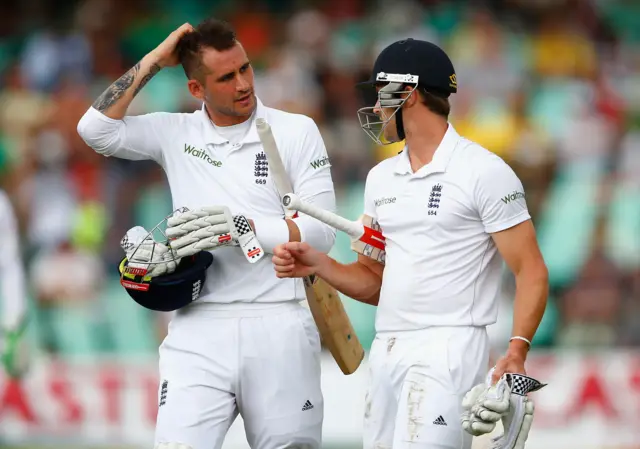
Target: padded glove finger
pixel 185 222
pixel 210 237
pixel 209 244
pixel 473 426
pixel 517 420
pixel 496 397
pixel 485 414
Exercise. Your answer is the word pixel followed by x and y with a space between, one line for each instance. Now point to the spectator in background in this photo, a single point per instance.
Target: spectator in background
pixel 14 310
pixel 550 86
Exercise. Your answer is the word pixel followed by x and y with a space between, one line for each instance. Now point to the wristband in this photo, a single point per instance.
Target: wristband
pixel 270 232
pixel 517 337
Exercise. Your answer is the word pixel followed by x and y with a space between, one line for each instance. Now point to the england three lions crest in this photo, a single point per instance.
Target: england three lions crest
pixel 261 168
pixel 434 199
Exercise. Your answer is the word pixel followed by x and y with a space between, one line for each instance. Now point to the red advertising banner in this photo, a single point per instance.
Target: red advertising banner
pixel 591 401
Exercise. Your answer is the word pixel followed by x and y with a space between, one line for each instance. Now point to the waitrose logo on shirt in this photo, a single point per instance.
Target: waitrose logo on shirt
pixel 320 162
pixel 513 197
pixel 195 152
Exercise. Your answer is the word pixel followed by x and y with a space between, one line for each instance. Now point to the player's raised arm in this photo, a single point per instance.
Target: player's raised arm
pixel 115 101
pixel 107 129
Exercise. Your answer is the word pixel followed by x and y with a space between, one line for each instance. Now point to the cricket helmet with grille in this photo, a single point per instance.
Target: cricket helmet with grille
pixel 409 62
pixel 166 292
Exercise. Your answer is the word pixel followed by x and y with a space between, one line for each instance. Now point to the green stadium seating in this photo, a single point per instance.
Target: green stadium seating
pixel 132 328
pixel 622 236
pixel 568 219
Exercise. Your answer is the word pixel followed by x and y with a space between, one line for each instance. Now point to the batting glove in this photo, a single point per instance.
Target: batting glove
pixel 209 228
pixel 146 256
pixel 485 404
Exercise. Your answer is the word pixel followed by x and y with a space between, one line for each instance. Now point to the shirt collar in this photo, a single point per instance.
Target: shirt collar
pixel 441 156
pixel 211 136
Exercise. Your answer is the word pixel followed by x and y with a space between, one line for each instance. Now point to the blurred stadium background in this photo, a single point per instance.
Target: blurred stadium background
pixel 552 86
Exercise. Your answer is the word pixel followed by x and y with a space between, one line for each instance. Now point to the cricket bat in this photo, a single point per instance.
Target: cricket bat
pixel 334 326
pixel 366 235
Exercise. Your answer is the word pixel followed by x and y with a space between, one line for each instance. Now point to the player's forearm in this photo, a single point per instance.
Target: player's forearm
pixel 312 231
pixel 294 231
pixel 354 280
pixel 115 100
pixel 274 231
pixel 532 286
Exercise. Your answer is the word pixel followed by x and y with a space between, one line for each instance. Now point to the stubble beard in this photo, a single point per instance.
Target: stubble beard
pixel 230 111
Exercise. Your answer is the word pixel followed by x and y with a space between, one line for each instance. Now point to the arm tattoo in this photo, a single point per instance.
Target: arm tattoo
pixel 120 87
pixel 116 90
pixel 153 70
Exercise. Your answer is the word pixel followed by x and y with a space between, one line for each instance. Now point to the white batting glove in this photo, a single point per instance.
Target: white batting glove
pixel 517 424
pixel 471 423
pixel 209 228
pixel 485 404
pixel 145 256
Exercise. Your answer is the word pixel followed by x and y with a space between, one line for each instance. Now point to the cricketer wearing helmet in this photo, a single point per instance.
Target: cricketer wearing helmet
pixel 449 221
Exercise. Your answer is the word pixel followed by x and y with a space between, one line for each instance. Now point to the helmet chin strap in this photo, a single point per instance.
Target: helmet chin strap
pixel 400 125
pixel 390 96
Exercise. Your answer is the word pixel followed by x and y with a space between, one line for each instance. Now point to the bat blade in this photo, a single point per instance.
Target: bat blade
pixel 333 324
pixel 332 321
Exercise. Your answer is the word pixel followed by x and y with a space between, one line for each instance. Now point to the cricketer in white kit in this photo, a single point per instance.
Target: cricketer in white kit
pixel 451 212
pixel 247 345
pixel 13 292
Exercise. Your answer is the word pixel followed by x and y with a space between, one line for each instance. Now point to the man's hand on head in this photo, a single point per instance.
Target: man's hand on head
pixel 166 54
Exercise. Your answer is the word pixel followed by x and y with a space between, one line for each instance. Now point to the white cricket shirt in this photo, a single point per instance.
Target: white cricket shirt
pixel 12 273
pixel 204 169
pixel 442 266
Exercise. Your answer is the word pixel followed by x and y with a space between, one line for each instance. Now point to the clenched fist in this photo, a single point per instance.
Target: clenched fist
pixel 295 259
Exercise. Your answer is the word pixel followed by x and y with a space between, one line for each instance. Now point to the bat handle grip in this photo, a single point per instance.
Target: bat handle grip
pixel 353 229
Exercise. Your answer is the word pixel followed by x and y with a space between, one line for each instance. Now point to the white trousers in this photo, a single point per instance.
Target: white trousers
pixel 417 382
pixel 262 361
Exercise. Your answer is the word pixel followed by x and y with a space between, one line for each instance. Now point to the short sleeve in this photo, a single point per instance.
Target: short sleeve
pixel 310 167
pixel 500 196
